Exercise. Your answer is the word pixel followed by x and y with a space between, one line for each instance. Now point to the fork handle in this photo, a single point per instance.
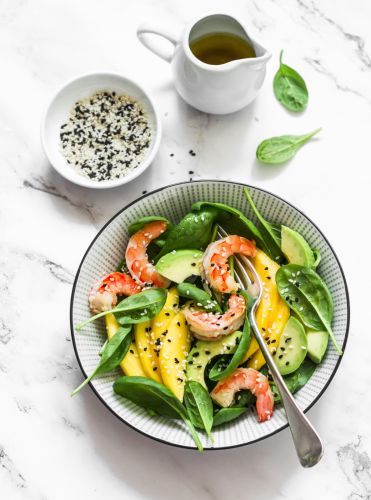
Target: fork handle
pixel 308 444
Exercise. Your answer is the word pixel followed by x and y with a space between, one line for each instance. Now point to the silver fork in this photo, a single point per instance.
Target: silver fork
pixel 308 444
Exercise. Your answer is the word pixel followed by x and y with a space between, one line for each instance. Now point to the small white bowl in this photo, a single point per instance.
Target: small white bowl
pixel 58 112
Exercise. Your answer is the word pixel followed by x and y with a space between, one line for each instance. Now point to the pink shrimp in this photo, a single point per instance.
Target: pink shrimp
pixel 137 259
pixel 211 326
pixel 103 295
pixel 215 264
pixel 246 378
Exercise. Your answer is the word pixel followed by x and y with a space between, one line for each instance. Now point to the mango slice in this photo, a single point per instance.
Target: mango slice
pixel 173 355
pixel 147 355
pixel 162 320
pixel 272 313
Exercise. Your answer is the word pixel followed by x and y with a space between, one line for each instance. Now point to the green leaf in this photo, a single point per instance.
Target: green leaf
pixel 296 380
pixel 155 397
pixel 308 296
pixel 246 225
pixel 202 298
pixel 225 415
pixel 137 308
pixel 282 148
pixel 268 231
pixel 290 88
pixel 217 372
pixel 140 223
pixel 193 231
pixel 199 406
pixel 111 355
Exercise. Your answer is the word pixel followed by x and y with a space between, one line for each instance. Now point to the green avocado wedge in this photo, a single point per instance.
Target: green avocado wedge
pixel 292 347
pixel 317 345
pixel 295 248
pixel 179 265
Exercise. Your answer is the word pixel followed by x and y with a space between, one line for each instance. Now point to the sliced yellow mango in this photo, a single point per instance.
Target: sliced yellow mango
pixel 131 364
pixel 173 355
pixel 147 355
pixel 272 313
pixel 162 320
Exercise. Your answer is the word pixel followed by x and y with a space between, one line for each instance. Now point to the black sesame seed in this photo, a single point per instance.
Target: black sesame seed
pixel 131 350
pixel 287 363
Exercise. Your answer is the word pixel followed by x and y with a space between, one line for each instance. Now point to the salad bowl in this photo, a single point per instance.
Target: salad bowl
pixel 173 202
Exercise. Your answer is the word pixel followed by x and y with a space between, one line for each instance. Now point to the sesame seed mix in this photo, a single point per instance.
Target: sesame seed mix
pixel 106 135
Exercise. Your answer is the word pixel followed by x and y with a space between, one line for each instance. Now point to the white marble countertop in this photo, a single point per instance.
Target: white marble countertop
pixel 53 447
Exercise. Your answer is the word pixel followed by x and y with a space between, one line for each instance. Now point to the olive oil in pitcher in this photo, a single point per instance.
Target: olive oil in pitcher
pixel 221 48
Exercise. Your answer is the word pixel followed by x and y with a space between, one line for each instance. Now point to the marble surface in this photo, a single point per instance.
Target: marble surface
pixel 53 447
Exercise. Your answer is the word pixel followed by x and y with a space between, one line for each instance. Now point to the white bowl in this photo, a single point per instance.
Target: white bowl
pixel 58 111
pixel 173 202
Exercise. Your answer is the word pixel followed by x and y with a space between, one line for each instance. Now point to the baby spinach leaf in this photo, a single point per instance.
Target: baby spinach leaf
pixel 202 298
pixel 308 296
pixel 155 397
pixel 111 355
pixel 193 231
pixel 137 308
pixel 268 231
pixel 282 148
pixel 199 406
pixel 290 88
pixel 217 372
pixel 223 210
pixel 243 399
pixel 225 415
pixel 296 380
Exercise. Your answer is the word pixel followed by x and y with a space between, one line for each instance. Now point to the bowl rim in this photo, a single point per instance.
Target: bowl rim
pixel 88 183
pixel 284 426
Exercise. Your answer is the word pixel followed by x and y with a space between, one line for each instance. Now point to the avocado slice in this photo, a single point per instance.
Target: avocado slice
pixel 178 265
pixel 292 347
pixel 295 248
pixel 317 345
pixel 204 350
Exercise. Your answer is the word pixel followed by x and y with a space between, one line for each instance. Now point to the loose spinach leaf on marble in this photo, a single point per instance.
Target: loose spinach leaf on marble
pixel 193 231
pixel 199 406
pixel 135 309
pixel 282 148
pixel 268 231
pixel 290 88
pixel 218 371
pixel 308 296
pixel 111 355
pixel 155 397
pixel 225 415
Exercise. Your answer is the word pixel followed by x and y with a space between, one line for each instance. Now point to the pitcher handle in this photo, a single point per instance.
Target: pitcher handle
pixel 142 33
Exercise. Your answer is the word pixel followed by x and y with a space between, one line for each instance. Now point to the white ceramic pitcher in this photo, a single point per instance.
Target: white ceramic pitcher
pixel 218 89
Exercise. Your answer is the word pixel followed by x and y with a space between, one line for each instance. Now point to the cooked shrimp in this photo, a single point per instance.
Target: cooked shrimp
pixel 137 259
pixel 215 264
pixel 210 326
pixel 246 378
pixel 103 295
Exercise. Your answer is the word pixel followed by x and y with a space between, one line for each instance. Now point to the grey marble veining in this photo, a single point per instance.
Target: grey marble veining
pixel 54 447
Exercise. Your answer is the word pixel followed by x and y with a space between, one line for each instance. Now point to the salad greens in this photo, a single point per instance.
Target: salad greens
pixel 193 231
pixel 134 309
pixel 290 88
pixel 199 406
pixel 306 293
pixel 282 148
pixel 269 231
pixel 225 415
pixel 191 367
pixel 203 299
pixel 111 355
pixel 156 397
